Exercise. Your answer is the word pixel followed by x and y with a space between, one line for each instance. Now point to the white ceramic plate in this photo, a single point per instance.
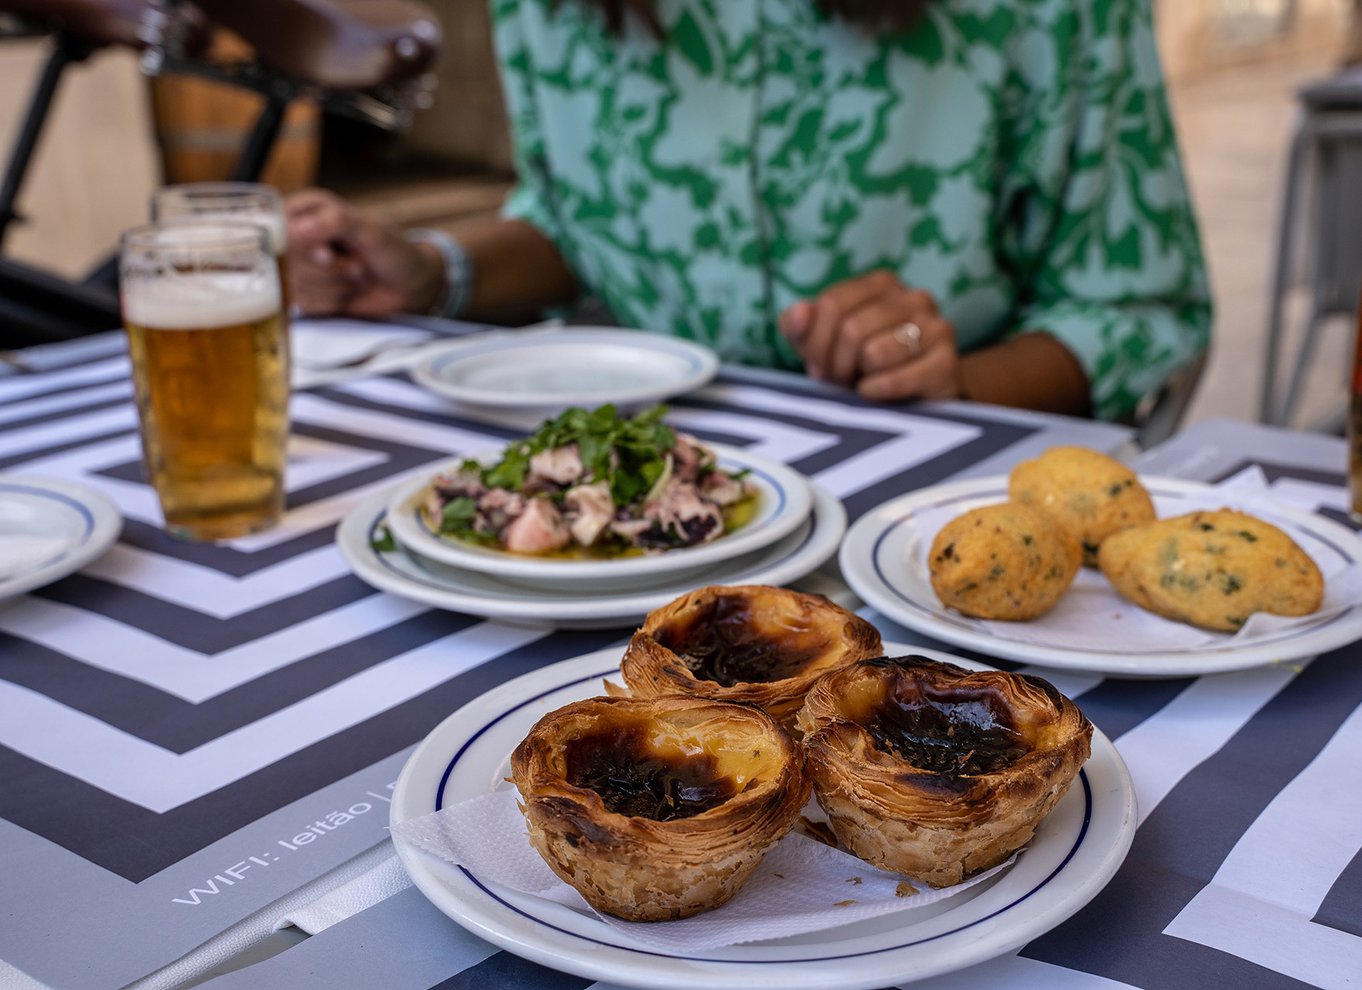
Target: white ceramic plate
pixel 409 575
pixel 1076 850
pixel 883 560
pixel 50 528
pixel 785 501
pixel 548 370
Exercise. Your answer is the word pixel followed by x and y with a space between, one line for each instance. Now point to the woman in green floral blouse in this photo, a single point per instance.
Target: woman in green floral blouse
pixel 985 201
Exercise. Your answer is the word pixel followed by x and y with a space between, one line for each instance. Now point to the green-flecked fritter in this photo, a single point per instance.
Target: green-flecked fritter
pixel 1003 561
pixel 1212 569
pixel 1086 492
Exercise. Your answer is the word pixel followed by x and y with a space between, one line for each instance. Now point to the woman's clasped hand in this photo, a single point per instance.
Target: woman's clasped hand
pixel 876 335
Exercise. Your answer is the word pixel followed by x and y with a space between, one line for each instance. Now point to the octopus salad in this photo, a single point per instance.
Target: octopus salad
pixel 591 483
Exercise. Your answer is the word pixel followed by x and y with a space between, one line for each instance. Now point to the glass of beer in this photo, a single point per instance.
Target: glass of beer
pixel 254 202
pixel 202 308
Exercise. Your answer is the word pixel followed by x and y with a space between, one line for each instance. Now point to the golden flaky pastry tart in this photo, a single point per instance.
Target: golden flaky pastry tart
pixel 756 644
pixel 657 808
pixel 937 772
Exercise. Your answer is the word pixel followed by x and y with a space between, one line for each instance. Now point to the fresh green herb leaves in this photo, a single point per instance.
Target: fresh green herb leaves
pixel 458 518
pixel 458 512
pixel 382 541
pixel 628 452
pixel 632 455
pixel 510 471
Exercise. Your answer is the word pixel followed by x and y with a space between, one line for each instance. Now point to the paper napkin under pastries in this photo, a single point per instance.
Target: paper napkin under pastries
pixel 801 886
pixel 1091 615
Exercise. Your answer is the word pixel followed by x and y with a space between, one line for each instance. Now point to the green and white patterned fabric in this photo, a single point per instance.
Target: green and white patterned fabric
pixel 1016 159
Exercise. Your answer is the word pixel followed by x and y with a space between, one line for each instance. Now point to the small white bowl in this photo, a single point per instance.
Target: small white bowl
pixel 784 501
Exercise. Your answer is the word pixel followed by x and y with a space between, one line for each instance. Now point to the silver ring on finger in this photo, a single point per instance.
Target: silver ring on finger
pixel 910 336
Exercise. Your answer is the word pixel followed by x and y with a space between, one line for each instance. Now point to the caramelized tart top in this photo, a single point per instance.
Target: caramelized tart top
pixel 751 643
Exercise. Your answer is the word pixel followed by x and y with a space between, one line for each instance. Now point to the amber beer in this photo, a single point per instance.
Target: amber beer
pixel 201 304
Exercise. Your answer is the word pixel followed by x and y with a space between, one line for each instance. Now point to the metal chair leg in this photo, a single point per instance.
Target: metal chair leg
pixel 260 142
pixel 1324 223
pixel 1281 271
pixel 65 51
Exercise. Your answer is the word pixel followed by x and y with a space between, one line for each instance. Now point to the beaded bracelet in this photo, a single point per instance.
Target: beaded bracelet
pixel 458 284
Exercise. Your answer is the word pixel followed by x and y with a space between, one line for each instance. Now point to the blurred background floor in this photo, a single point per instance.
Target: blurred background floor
pixel 1234 125
pixel 1233 79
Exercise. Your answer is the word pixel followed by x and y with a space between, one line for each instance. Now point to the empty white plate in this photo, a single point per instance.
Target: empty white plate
pixel 550 370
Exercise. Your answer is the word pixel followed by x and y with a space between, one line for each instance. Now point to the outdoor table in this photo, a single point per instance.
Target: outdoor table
pixel 198 742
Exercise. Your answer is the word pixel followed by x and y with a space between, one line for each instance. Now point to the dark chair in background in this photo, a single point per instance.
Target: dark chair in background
pixel 368 59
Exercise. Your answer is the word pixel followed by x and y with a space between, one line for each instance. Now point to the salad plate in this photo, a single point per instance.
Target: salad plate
pixel 783 501
pixel 548 370
pixel 884 560
pixel 362 540
pixel 1075 852
pixel 50 528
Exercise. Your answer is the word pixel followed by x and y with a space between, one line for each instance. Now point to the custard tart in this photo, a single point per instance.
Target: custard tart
pixel 937 772
pixel 660 808
pixel 755 644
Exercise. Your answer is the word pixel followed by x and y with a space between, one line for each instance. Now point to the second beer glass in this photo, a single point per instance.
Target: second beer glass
pixel 253 202
pixel 202 307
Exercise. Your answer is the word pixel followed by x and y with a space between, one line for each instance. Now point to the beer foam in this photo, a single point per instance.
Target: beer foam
pixel 273 222
pixel 200 300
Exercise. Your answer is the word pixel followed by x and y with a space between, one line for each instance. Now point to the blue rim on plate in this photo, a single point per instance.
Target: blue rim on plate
pixel 1077 849
pixel 90 521
pixel 878 562
pixel 408 575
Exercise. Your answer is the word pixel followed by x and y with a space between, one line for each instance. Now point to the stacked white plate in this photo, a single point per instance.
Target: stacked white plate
pixel 797 528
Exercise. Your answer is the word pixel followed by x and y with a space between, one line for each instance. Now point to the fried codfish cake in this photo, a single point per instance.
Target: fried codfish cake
pixel 1004 561
pixel 1091 494
pixel 1212 569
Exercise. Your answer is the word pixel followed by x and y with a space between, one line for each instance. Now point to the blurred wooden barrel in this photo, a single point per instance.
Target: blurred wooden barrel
pixel 201 127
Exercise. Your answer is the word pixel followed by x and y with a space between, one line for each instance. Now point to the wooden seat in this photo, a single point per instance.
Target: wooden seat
pixel 335 44
pixel 368 59
pixel 103 23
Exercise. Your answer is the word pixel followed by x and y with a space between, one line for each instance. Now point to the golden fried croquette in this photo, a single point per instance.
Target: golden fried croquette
pixel 1088 493
pixel 1004 561
pixel 1212 569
